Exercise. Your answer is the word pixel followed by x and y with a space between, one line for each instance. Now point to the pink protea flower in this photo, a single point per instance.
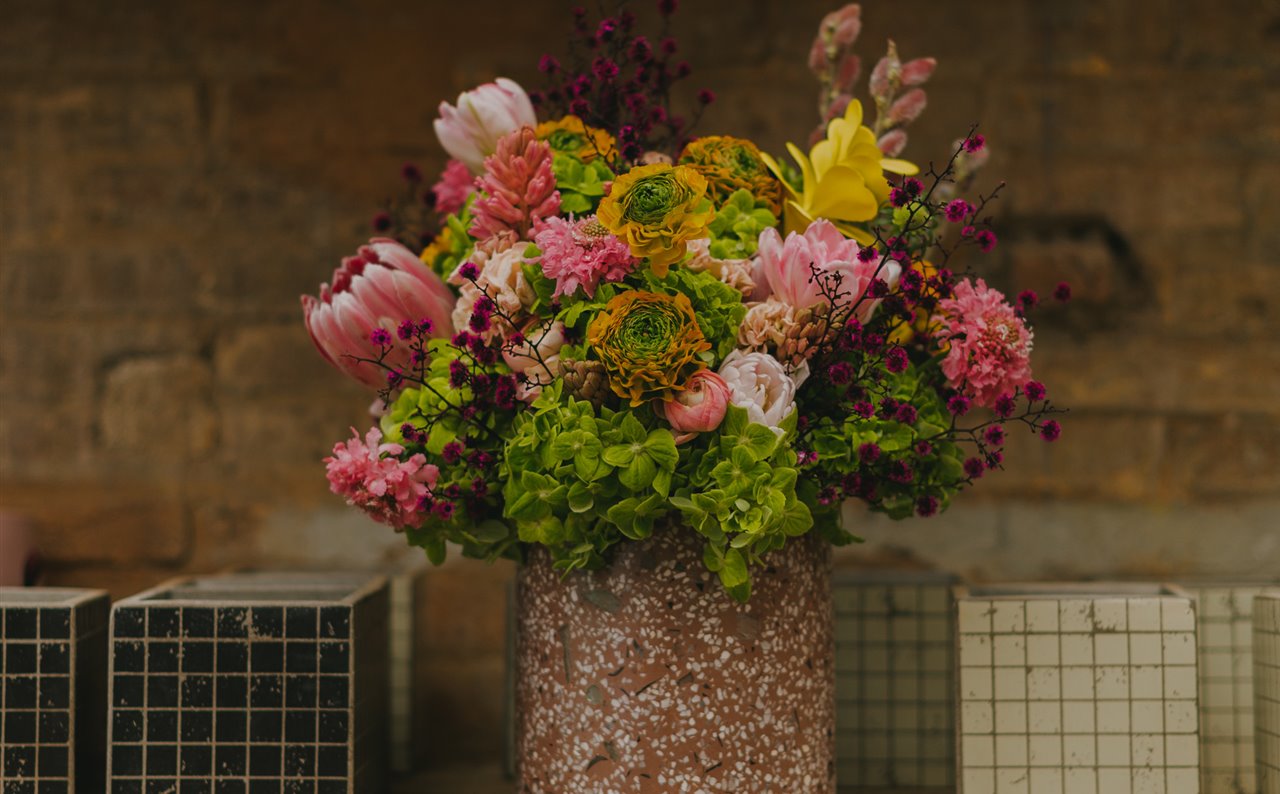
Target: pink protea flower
pixel 581 253
pixel 787 268
pixel 380 287
pixel 470 130
pixel 371 476
pixel 990 353
pixel 456 183
pixel 518 188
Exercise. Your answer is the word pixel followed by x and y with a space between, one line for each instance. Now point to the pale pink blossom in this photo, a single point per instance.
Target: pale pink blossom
pixel 371 476
pixel 383 285
pixel 470 131
pixel 759 383
pixel 701 406
pixel 581 253
pixel 990 345
pixel 517 190
pixel 541 342
pixel 502 278
pixel 795 271
pixel 455 185
pixel 741 274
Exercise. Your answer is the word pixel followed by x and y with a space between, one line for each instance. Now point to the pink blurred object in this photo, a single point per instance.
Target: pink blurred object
pixel 383 285
pixel 17 550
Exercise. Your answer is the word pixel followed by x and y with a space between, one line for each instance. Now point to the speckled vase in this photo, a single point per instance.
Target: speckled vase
pixel 647 677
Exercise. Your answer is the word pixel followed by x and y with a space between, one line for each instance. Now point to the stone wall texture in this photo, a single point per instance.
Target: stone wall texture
pixel 174 174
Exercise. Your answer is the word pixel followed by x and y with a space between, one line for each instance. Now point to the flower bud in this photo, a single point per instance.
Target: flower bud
pixel 917 71
pixel 908 107
pixel 892 143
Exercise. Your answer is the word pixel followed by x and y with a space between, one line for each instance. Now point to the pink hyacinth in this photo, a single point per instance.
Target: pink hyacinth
pixel 456 183
pixel 990 344
pixel 518 188
pixel 383 285
pixel 581 253
pixel 788 268
pixel 371 476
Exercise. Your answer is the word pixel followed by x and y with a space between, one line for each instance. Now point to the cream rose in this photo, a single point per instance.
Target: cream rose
pixel 759 383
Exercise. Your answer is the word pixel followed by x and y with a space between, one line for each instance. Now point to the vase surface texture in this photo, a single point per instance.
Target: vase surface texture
pixel 648 677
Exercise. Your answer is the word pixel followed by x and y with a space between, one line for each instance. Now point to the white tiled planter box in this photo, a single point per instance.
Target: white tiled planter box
pixel 1266 689
pixel 895 679
pixel 1224 612
pixel 1077 689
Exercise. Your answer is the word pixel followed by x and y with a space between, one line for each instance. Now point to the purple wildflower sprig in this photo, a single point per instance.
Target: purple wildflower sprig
pixel 621 81
pixel 410 217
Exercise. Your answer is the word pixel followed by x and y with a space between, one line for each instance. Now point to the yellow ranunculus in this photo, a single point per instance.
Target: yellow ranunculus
pixel 571 136
pixel 843 175
pixel 657 209
pixel 731 164
pixel 649 344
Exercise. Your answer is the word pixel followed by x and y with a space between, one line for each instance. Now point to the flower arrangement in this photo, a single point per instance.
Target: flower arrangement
pixel 614 324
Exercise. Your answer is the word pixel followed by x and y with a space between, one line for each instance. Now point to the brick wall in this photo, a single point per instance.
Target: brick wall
pixel 174 175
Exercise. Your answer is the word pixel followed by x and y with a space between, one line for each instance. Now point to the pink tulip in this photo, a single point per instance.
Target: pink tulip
pixel 383 285
pixel 796 270
pixel 701 406
pixel 470 131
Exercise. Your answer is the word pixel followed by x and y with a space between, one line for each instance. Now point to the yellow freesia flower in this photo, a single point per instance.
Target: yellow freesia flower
pixel 656 209
pixel 844 179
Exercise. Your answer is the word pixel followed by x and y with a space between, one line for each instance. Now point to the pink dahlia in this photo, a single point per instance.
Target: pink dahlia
pixel 794 271
pixel 990 344
pixel 517 189
pixel 581 253
pixel 371 476
pixel 456 183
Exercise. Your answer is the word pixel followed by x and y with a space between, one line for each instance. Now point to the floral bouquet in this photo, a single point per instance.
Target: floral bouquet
pixel 597 323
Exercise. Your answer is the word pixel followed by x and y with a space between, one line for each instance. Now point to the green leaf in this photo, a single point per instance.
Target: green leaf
pixel 436 549
pixel 490 531
pixel 639 474
pixel 796 518
pixel 580 497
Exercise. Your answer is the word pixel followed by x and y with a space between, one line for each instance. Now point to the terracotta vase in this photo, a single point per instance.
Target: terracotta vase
pixel 647 677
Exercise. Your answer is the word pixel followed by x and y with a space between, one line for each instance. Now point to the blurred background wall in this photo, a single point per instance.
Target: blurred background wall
pixel 174 174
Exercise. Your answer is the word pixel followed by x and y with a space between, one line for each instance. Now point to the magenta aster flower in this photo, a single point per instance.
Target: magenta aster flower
pixel 990 344
pixel 581 253
pixel 371 476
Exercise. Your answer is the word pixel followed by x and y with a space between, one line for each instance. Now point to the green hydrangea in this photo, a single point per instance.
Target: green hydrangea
pixel 736 228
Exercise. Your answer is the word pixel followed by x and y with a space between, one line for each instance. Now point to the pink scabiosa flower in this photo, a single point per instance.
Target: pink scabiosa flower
pixel 371 476
pixel 990 353
pixel 380 287
pixel 470 130
pixel 788 268
pixel 518 188
pixel 700 407
pixel 456 183
pixel 581 253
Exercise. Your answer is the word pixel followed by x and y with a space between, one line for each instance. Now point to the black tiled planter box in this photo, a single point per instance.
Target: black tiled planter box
pixel 52 690
pixel 238 684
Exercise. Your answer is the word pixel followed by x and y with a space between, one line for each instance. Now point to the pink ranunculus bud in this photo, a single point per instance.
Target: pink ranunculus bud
pixel 818 57
pixel 847 73
pixel 886 75
pixel 470 130
pixel 701 406
pixel 380 287
pixel 918 71
pixel 893 142
pixel 842 27
pixel 908 107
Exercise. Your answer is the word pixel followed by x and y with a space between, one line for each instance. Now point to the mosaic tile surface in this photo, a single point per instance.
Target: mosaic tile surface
pixel 1078 690
pixel 52 690
pixel 1266 661
pixel 1225 619
pixel 895 679
pixel 249 691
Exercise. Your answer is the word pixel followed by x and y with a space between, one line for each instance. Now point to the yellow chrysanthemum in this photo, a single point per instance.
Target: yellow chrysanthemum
pixel 657 209
pixel 732 164
pixel 843 175
pixel 571 136
pixel 649 344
